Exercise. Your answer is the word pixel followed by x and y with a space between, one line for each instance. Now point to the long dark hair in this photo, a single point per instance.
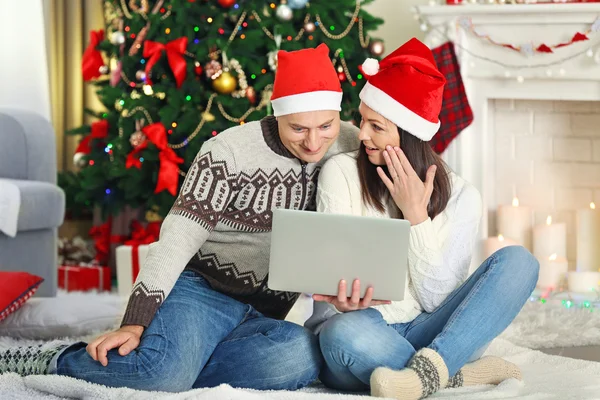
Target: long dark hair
pixel 421 156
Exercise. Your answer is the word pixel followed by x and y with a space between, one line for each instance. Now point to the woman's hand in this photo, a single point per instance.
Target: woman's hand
pixel 409 192
pixel 353 303
pixel 127 338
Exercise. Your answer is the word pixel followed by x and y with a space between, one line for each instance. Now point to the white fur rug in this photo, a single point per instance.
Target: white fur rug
pixel 542 326
pixel 545 377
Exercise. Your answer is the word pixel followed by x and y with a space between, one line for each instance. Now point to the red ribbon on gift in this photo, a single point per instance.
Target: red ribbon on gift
pixel 103 239
pixel 168 173
pixel 92 58
pixel 100 129
pixel 175 50
pixel 141 236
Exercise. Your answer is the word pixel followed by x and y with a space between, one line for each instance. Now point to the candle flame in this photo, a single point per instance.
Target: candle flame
pixel 515 202
pixel 549 220
pixel 501 238
pixel 592 205
pixel 552 257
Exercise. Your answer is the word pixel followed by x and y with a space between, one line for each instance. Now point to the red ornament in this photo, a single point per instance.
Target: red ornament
pixel 342 77
pixel 226 3
pixel 198 68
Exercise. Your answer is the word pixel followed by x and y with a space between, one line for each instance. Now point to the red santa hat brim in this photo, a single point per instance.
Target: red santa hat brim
pixel 387 106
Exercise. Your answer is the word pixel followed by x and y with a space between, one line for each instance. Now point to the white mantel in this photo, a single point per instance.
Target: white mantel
pixel 575 79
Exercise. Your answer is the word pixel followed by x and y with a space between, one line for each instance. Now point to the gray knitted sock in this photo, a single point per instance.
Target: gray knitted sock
pixel 30 360
pixel 425 374
pixel 488 370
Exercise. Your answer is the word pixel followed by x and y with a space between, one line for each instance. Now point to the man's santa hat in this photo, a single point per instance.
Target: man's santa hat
pixel 305 81
pixel 406 88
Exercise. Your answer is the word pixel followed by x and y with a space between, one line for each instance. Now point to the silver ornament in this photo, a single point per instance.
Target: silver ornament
pixel 284 12
pixel 117 38
pixel 103 70
pixel 376 47
pixel 140 75
pixel 79 160
pixel 310 27
pixel 297 4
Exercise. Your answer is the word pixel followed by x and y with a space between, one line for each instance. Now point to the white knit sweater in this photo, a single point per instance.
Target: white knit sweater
pixel 439 251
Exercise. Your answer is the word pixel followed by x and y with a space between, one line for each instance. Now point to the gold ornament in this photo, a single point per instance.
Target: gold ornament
pixel 376 47
pixel 225 84
pixel 208 117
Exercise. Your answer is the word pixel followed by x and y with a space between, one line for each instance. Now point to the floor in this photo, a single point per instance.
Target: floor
pixel 589 353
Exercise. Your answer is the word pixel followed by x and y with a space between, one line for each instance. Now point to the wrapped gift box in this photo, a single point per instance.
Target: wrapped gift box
pixel 84 277
pixel 129 261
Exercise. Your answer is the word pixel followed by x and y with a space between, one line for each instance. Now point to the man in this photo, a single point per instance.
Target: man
pixel 200 313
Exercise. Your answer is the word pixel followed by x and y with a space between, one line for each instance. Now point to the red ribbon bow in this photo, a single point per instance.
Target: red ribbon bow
pixel 92 58
pixel 168 173
pixel 141 236
pixel 103 239
pixel 175 50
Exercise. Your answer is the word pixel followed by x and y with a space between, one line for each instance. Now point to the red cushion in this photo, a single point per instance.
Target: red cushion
pixel 15 289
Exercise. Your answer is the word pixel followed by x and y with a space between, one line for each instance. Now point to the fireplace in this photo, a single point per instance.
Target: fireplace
pixel 536 133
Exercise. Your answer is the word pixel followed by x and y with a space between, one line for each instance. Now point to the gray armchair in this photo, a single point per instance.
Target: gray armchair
pixel 28 159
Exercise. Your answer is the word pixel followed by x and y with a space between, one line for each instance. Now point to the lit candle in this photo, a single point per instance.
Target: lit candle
pixel 514 222
pixel 493 244
pixel 584 282
pixel 588 239
pixel 550 239
pixel 553 270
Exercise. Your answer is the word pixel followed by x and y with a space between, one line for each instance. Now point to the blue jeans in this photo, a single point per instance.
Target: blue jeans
pixel 355 343
pixel 202 338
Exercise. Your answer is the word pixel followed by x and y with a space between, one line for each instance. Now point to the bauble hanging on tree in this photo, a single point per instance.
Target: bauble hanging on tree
pixel 103 70
pixel 225 84
pixel 310 27
pixel 226 3
pixel 376 48
pixel 251 95
pixel 79 160
pixel 140 75
pixel 297 4
pixel 117 38
pixel 198 68
pixel 284 12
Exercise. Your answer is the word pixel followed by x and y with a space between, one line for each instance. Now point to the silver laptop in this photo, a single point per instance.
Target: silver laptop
pixel 311 252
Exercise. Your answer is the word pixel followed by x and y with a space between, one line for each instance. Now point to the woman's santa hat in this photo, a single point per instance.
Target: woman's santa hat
pixel 406 88
pixel 305 81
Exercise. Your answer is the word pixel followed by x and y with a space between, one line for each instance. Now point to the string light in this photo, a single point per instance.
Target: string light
pixel 253 76
pixel 196 29
pixel 107 191
pixel 132 36
pixel 209 20
pixel 188 97
pixel 127 29
pixel 168 30
pixel 221 31
pixel 174 124
pixel 92 162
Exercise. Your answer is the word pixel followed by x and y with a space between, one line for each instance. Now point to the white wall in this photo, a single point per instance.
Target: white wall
pixel 24 78
pixel 399 24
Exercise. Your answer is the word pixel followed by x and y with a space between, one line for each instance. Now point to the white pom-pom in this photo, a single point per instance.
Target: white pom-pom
pixel 370 66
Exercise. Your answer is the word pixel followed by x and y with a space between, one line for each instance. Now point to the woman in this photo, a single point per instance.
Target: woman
pixel 410 349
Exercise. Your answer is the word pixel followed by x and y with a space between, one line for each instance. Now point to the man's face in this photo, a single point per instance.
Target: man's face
pixel 309 135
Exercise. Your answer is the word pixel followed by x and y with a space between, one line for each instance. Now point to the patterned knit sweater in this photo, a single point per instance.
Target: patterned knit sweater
pixel 439 252
pixel 220 224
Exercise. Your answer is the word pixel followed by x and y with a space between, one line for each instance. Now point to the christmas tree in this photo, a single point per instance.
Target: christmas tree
pixel 172 74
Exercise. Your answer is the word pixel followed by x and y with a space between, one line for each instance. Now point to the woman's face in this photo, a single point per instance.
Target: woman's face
pixel 376 132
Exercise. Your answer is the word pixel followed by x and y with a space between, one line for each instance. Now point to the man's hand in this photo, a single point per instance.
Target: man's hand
pixel 126 339
pixel 353 303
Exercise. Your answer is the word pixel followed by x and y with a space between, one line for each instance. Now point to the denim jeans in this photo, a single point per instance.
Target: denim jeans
pixel 355 343
pixel 202 338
